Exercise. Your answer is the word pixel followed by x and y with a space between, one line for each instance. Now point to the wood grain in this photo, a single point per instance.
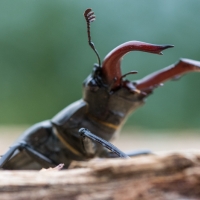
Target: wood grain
pixel 169 176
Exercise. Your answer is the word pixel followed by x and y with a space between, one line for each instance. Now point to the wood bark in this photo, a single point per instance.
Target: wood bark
pixel 169 176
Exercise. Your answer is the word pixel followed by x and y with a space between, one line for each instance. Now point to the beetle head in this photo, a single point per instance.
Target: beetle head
pixel 105 89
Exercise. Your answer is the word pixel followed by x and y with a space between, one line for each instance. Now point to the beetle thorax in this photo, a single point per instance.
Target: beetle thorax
pixel 109 106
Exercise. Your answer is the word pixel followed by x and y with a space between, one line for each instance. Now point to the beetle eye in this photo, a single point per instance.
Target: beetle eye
pixel 92 85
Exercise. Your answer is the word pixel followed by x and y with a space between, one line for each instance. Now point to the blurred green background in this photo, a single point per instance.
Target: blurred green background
pixel 44 56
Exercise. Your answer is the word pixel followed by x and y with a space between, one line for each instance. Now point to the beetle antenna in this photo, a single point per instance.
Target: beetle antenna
pixel 90 17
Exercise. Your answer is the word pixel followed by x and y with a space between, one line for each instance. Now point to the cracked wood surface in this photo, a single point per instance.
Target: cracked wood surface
pixel 169 176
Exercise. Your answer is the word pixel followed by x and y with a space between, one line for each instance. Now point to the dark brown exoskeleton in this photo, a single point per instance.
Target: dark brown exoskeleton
pixel 107 101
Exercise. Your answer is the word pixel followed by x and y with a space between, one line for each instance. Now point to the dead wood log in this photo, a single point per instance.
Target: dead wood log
pixel 172 176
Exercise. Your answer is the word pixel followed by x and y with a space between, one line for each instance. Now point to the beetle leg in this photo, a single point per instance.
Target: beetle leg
pixel 8 155
pixel 38 157
pixel 107 154
pixel 138 153
pixel 86 133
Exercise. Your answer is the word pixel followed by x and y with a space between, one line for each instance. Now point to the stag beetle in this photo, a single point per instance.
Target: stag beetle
pixel 107 101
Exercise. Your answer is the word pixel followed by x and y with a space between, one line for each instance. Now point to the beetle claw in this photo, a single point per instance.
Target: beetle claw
pixel 165 47
pixel 111 64
pixel 174 71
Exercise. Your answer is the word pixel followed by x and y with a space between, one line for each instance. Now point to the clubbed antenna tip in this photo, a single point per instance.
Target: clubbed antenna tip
pixel 90 17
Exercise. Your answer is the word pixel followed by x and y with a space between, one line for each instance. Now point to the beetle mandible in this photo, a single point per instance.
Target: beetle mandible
pixel 107 101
